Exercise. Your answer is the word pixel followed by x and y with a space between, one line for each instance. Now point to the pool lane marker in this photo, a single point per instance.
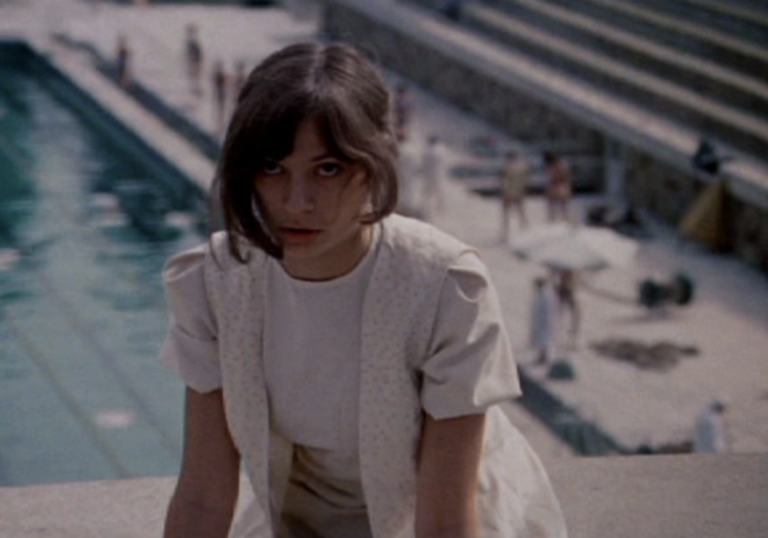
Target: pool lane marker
pixel 70 402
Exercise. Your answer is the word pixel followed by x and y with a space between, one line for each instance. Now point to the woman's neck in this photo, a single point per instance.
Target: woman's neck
pixel 343 259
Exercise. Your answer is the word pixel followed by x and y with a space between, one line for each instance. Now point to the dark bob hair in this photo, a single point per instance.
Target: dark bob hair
pixel 336 86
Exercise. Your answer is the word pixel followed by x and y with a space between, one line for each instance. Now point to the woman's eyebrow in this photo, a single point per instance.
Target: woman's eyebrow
pixel 326 155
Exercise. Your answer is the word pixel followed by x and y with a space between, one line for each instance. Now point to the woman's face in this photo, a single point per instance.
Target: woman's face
pixel 315 200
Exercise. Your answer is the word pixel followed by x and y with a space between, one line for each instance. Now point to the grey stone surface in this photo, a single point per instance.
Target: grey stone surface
pixel 640 497
pixel 664 496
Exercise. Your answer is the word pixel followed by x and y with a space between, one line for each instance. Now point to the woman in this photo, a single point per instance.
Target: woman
pixel 559 188
pixel 566 285
pixel 351 358
pixel 544 326
pixel 515 176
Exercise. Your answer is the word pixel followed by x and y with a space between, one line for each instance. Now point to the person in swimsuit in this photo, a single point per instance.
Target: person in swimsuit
pixel 559 188
pixel 515 176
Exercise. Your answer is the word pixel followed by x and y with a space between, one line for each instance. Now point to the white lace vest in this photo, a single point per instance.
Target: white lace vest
pixel 399 310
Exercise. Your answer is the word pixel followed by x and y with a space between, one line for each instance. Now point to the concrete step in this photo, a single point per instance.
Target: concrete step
pixel 738 21
pixel 686 36
pixel 704 76
pixel 735 127
pixel 757 6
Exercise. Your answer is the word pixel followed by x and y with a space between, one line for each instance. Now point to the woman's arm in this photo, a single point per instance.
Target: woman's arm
pixel 206 493
pixel 449 462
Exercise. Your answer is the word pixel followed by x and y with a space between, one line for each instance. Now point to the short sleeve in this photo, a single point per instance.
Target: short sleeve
pixel 470 365
pixel 191 347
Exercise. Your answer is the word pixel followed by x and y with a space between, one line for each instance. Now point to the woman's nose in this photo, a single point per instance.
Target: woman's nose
pixel 299 197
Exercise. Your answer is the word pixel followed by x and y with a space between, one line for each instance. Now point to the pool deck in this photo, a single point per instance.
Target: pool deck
pixel 726 322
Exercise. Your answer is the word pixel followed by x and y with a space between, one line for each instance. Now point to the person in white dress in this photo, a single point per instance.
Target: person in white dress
pixel 352 359
pixel 515 177
pixel 710 435
pixel 409 176
pixel 544 320
pixel 434 173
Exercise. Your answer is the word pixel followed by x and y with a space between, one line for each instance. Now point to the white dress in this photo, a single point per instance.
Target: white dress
pixel 710 435
pixel 409 177
pixel 312 373
pixel 544 319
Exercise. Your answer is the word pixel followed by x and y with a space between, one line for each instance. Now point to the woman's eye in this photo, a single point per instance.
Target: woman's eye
pixel 271 168
pixel 329 169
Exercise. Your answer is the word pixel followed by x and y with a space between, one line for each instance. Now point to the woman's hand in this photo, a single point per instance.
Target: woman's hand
pixel 449 461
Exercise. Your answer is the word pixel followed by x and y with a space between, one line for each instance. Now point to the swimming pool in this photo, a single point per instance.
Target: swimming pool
pixel 87 217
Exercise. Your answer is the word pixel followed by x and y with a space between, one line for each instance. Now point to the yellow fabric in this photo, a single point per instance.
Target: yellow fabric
pixel 706 220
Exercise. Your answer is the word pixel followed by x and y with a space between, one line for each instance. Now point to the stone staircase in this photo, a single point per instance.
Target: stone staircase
pixel 682 62
pixel 745 20
pixel 678 33
pixel 630 88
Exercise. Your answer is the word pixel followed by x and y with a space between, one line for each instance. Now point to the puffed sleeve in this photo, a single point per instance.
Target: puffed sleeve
pixel 191 347
pixel 470 365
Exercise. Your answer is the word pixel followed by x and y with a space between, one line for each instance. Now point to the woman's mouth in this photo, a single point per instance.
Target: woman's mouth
pixel 298 236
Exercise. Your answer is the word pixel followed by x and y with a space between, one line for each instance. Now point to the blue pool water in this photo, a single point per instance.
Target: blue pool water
pixel 82 310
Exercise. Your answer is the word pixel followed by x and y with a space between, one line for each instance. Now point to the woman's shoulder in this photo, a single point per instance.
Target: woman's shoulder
pixel 421 240
pixel 214 253
pixel 181 266
pixel 400 229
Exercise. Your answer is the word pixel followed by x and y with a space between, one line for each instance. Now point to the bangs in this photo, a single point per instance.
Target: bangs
pixel 333 86
pixel 277 132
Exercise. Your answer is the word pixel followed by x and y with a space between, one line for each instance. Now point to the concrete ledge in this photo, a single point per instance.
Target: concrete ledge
pixel 664 496
pixel 629 497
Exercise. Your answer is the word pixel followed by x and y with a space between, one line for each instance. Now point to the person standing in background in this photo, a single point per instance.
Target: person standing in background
pixel 123 62
pixel 559 187
pixel 434 172
pixel 566 284
pixel 238 79
pixel 403 111
pixel 710 435
pixel 194 58
pixel 544 320
pixel 515 176
pixel 409 176
pixel 220 84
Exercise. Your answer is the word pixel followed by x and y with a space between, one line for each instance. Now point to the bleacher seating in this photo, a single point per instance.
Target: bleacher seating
pixel 637 51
